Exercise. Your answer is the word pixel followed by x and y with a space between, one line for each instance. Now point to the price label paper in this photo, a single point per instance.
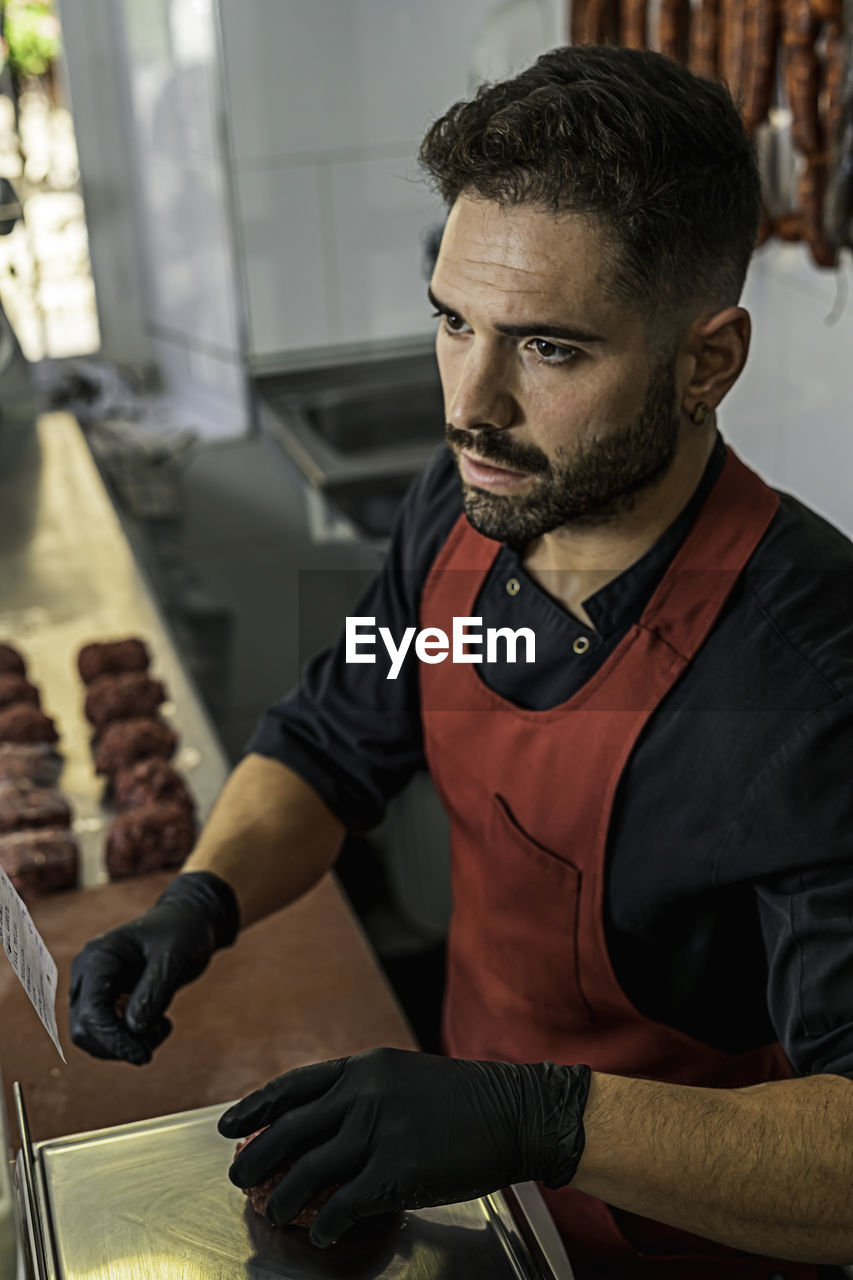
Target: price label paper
pixel 29 957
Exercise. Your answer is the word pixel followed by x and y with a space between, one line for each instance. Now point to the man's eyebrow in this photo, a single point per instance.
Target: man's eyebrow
pixel 526 330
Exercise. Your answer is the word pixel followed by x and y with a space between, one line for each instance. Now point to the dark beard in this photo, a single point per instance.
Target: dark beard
pixel 604 479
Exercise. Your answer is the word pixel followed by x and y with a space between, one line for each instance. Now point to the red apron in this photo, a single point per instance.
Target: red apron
pixel 530 796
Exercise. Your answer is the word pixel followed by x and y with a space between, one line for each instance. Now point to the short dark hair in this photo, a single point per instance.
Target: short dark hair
pixel 630 138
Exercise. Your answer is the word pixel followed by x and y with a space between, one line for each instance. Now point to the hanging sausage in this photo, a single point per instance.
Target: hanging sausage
pixel 674 29
pixel 702 57
pixel 749 44
pixel 634 24
pixel 838 208
pixel 760 63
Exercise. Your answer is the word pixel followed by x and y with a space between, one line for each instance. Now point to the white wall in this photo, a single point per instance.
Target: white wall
pixel 791 413
pixel 327 103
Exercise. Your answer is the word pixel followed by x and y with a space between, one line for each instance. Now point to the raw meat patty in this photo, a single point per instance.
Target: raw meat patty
pixel 15 689
pixel 111 657
pixel 25 723
pixel 39 861
pixel 259 1195
pixel 11 662
pixel 123 742
pixel 133 693
pixel 23 805
pixel 151 781
pixel 34 762
pixel 146 839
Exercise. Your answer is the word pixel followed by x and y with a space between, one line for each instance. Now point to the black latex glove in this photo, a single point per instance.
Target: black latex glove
pixel 405 1130
pixel 147 959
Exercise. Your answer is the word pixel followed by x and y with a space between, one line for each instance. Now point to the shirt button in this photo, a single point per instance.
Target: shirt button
pixel 581 644
pixel 513 586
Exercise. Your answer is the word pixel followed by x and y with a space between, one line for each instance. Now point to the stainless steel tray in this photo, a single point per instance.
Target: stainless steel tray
pixel 153 1200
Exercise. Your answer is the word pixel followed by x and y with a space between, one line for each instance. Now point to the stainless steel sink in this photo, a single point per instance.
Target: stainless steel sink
pixel 359 432
pixel 379 418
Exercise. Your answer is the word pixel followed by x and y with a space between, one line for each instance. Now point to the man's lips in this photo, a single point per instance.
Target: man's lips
pixel 485 475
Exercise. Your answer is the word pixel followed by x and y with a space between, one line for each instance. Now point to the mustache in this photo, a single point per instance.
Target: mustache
pixel 494 446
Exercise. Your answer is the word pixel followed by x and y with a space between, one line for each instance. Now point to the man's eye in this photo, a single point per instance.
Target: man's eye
pixel 550 353
pixel 451 322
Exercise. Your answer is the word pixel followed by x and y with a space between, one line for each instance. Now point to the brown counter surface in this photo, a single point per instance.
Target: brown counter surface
pixel 298 987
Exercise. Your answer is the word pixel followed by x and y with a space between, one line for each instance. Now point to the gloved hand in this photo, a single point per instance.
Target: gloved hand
pixel 148 959
pixel 404 1130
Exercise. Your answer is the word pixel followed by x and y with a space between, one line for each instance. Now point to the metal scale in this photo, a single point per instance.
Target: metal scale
pixel 152 1198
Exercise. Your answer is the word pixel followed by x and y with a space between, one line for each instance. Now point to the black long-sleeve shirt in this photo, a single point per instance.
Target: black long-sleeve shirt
pixel 729 904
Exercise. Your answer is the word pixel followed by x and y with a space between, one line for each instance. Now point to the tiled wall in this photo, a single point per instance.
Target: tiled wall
pixel 327 102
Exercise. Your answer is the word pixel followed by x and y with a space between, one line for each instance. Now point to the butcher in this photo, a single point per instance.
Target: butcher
pixel 649 1004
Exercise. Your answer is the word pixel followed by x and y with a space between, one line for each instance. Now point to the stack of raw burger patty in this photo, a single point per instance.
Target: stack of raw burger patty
pixel 133 745
pixel 37 850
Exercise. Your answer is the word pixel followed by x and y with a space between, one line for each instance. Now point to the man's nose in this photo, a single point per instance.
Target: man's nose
pixel 478 396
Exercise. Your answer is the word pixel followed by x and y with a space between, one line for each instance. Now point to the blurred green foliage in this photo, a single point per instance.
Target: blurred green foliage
pixel 32 35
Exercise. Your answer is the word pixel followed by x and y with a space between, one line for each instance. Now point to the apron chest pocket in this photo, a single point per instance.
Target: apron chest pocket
pixel 528 926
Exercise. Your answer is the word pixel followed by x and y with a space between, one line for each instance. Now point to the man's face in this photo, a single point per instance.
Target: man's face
pixel 544 375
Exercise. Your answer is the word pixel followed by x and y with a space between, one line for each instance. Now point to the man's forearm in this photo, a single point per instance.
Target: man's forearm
pixel 767 1169
pixel 270 836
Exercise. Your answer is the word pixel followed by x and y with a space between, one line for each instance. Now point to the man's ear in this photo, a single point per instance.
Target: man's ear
pixel 719 346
